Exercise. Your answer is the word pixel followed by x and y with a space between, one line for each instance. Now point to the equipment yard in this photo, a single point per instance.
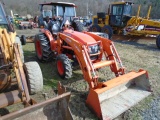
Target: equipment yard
pixel 134 52
pixel 105 67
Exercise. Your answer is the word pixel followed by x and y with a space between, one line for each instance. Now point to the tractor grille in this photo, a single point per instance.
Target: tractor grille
pixel 94 51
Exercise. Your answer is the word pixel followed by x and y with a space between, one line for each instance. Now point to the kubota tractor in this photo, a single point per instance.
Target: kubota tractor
pixel 107 99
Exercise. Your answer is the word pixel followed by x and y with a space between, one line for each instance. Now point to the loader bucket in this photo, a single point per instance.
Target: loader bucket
pixel 119 94
pixel 51 109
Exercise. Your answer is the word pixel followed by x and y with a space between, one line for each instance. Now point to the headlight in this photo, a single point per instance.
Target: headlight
pixel 93 49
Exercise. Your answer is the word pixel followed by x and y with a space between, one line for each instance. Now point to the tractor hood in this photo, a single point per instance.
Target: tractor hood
pixel 80 37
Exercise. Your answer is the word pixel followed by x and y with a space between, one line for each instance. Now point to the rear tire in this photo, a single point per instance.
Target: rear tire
pixel 158 42
pixel 34 77
pixel 108 30
pixel 78 26
pixel 43 48
pixel 64 67
pixel 95 28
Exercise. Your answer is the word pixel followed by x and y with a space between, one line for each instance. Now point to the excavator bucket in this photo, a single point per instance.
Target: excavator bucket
pixel 51 109
pixel 119 94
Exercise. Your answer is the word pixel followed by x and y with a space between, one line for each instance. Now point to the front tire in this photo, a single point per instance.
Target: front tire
pixel 108 30
pixel 64 67
pixel 95 28
pixel 34 77
pixel 43 48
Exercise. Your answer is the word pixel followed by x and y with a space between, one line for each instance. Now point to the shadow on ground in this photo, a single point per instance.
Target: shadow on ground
pixel 134 40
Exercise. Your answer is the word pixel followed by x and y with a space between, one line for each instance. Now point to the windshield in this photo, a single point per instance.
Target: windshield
pixel 47 13
pixel 127 10
pixel 69 11
pixel 117 9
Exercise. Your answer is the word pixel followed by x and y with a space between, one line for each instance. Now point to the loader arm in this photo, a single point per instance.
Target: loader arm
pixel 110 53
pixel 20 75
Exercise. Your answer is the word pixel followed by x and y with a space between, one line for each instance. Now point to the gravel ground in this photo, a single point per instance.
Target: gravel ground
pixel 153 112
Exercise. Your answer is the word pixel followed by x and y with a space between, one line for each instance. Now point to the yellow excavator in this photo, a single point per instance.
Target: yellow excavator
pixel 118 20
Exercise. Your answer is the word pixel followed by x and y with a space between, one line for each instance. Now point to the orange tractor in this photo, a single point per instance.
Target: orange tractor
pixel 107 99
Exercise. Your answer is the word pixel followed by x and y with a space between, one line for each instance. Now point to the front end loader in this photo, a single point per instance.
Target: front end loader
pixel 107 99
pixel 113 97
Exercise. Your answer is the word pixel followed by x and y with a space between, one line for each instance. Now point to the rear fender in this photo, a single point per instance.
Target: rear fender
pixel 52 41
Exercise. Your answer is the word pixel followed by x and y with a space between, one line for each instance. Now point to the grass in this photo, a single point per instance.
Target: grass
pixel 48 69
